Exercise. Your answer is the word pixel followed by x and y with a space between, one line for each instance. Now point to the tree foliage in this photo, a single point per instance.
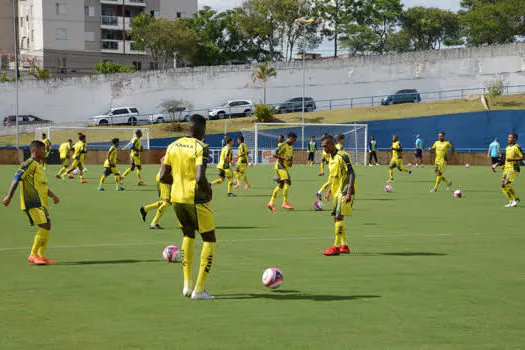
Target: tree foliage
pixel 39 73
pixel 262 73
pixel 108 67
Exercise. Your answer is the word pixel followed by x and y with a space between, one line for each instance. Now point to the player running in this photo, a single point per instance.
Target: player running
pixel 164 191
pixel 284 156
pixel 397 159
pixel 110 166
pixel 513 157
pixel 79 155
pixel 134 156
pixel 418 154
pixel 65 153
pixel 441 147
pixel 311 150
pixel 34 192
pixel 494 153
pixel 242 163
pixel 47 144
pixel 342 178
pixel 224 167
pixel 185 165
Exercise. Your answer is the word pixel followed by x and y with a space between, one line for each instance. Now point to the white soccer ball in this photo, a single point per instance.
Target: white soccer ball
pixel 250 164
pixel 75 172
pixel 458 193
pixel 272 278
pixel 318 205
pixel 467 165
pixel 388 188
pixel 172 253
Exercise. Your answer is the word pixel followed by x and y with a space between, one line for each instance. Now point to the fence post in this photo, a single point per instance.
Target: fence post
pixel 462 91
pixel 351 103
pixel 330 104
pixel 372 101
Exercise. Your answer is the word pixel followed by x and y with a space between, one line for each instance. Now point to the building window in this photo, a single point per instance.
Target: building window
pixel 28 43
pixel 179 14
pixel 60 8
pixel 137 65
pixel 61 34
pixel 151 66
pixel 89 36
pixel 89 11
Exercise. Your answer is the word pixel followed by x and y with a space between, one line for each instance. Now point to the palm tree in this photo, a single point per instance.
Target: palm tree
pixel 39 73
pixel 264 72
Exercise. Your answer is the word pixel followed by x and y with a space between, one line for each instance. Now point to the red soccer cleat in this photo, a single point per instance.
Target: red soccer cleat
pixel 83 181
pixel 287 206
pixel 332 251
pixel 321 174
pixel 31 258
pixel 49 261
pixel 141 183
pixel 271 207
pixel 38 261
pixel 247 186
pixel 344 249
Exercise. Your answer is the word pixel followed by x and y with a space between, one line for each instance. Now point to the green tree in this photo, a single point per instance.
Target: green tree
pixel 209 28
pixel 163 38
pixel 263 73
pixel 39 73
pixel 108 67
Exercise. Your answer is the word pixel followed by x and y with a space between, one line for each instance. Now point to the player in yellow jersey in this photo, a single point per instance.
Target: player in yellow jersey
pixel 242 163
pixel 110 166
pixel 161 205
pixel 134 156
pixel 342 178
pixel 441 147
pixel 34 191
pixel 185 167
pixel 513 157
pixel 284 156
pixel 339 145
pixel 224 167
pixel 324 159
pixel 79 155
pixel 47 144
pixel 65 153
pixel 397 159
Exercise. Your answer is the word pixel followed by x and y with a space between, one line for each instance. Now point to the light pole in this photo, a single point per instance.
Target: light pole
pixel 15 42
pixel 303 21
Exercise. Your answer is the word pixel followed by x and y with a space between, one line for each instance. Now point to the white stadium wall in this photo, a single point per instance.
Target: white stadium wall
pixel 76 98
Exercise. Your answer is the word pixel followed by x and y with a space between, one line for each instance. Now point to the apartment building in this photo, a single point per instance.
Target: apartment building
pixel 7 33
pixel 71 36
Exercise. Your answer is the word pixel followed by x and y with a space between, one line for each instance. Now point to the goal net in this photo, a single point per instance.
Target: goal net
pixel 97 138
pixel 262 139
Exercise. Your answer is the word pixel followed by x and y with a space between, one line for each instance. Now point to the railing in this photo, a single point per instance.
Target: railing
pixel 109 20
pixel 110 44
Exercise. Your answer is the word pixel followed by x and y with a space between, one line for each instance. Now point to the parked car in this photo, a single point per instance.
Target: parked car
pixel 232 108
pixel 25 120
pixel 402 96
pixel 126 115
pixel 296 105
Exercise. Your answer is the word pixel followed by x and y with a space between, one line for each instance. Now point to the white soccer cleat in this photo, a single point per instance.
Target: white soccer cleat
pixel 187 291
pixel 433 190
pixel 513 204
pixel 509 204
pixel 390 180
pixel 201 296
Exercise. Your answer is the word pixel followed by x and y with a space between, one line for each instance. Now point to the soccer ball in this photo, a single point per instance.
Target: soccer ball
pixel 388 188
pixel 318 205
pixel 458 193
pixel 75 172
pixel 467 165
pixel 272 278
pixel 409 165
pixel 250 164
pixel 172 253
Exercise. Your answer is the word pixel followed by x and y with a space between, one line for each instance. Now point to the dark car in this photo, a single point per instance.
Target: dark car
pixel 296 105
pixel 24 120
pixel 402 96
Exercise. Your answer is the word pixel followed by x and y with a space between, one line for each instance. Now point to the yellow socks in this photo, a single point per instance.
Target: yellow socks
pixel 325 186
pixel 117 180
pixel 438 180
pixel 187 260
pixel 230 185
pixel 102 179
pixel 340 233
pixel 275 194
pixel 139 174
pixel 160 212
pixel 218 181
pixel 391 173
pixel 40 242
pixel 208 252
pixel 321 167
pixel 508 191
pixel 61 171
pixel 285 193
pixel 245 179
pixel 152 206
pixel 126 173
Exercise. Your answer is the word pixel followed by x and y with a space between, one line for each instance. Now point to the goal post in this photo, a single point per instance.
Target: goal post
pixel 97 138
pixel 262 138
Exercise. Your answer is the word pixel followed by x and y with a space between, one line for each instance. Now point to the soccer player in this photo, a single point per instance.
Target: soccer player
pixel 185 167
pixel 372 153
pixel 242 163
pixel 284 156
pixel 110 166
pixel 441 147
pixel 134 156
pixel 494 153
pixel 342 178
pixel 65 153
pixel 311 150
pixel 418 154
pixel 324 159
pixel 397 159
pixel 224 167
pixel 34 192
pixel 164 191
pixel 513 157
pixel 47 144
pixel 339 142
pixel 79 155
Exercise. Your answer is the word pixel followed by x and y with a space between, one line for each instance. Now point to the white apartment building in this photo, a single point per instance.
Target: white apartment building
pixel 71 36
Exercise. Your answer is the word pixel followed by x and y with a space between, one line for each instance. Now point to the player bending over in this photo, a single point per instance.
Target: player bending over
pixel 134 156
pixel 65 153
pixel 441 147
pixel 185 169
pixel 161 205
pixel 34 192
pixel 284 156
pixel 342 178
pixel 79 155
pixel 513 157
pixel 224 167
pixel 397 159
pixel 242 163
pixel 110 166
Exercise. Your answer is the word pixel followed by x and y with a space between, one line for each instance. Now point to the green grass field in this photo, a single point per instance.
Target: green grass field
pixel 427 271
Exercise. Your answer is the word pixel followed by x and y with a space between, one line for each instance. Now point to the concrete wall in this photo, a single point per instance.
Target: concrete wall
pixel 77 98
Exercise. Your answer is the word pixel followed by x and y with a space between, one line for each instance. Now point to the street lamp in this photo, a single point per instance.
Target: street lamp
pixel 304 21
pixel 15 44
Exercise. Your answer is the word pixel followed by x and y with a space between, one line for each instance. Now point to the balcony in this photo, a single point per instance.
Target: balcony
pixel 141 3
pixel 115 46
pixel 115 22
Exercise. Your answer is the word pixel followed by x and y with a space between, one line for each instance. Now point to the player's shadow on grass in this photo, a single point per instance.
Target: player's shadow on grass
pixel 377 199
pixel 294 295
pixel 109 262
pixel 241 227
pixel 242 195
pixel 402 254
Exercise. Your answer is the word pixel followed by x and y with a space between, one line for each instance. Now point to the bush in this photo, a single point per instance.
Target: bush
pixel 263 113
pixel 495 87
pixel 107 67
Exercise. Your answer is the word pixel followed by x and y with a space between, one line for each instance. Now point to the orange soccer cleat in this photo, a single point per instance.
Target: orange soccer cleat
pixel 332 251
pixel 321 174
pixel 31 258
pixel 287 206
pixel 49 261
pixel 271 207
pixel 247 186
pixel 39 261
pixel 83 181
pixel 344 249
pixel 141 183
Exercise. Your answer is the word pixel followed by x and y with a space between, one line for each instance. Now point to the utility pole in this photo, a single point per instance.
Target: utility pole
pixel 17 71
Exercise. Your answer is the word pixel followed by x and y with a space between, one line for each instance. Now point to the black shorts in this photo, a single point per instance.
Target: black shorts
pixel 418 154
pixel 495 160
pixel 311 156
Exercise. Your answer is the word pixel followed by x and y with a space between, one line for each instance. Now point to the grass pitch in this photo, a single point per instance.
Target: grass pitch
pixel 427 271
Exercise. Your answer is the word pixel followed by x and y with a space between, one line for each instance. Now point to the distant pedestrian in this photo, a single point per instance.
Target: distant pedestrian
pixel 418 154
pixel 372 153
pixel 494 153
pixel 224 140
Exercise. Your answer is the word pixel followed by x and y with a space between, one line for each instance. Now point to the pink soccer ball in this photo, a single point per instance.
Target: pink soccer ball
pixel 409 165
pixel 458 193
pixel 250 164
pixel 272 278
pixel 172 253
pixel 388 188
pixel 318 205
